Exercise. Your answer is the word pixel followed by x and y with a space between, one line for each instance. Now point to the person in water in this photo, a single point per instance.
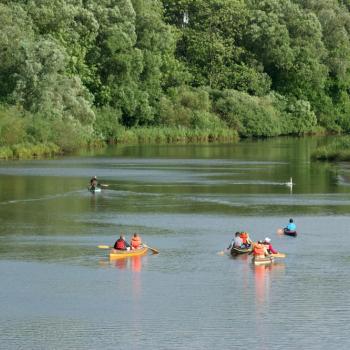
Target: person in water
pixel 291 226
pixel 121 244
pixel 269 247
pixel 236 241
pixel 136 241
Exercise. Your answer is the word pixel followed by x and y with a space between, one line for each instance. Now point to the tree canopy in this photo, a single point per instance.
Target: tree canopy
pixel 261 67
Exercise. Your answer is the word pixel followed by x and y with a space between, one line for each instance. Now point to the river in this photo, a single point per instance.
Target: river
pixel 59 291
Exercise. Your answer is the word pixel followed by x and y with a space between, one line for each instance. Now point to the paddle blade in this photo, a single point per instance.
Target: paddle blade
pixel 221 253
pixel 280 231
pixel 278 255
pixel 104 246
pixel 154 251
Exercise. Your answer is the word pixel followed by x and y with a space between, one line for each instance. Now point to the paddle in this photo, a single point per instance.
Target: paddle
pixel 155 251
pixel 104 185
pixel 280 231
pixel 278 255
pixel 104 246
pixel 222 252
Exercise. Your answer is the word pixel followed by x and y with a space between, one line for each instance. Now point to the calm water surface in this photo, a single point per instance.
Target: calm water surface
pixel 58 291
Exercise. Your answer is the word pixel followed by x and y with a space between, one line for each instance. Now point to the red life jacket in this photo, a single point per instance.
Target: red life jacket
pixel 120 244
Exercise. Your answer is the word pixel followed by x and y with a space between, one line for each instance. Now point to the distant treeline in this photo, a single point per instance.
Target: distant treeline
pixel 79 72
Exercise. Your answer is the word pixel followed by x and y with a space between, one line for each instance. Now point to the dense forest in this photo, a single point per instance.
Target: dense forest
pixel 79 72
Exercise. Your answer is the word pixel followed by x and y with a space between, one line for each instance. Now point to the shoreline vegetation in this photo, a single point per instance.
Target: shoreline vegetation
pixel 125 136
pixel 80 74
pixel 337 150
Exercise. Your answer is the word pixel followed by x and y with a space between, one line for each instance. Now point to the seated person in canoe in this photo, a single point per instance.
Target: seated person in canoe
pixel 260 250
pixel 121 244
pixel 291 226
pixel 246 239
pixel 236 242
pixel 136 241
pixel 269 247
pixel 94 184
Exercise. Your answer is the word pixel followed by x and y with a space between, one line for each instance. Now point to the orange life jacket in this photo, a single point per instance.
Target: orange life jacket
pixel 244 236
pixel 259 249
pixel 135 242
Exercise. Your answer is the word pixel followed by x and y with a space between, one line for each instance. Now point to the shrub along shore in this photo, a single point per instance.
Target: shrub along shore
pixel 338 150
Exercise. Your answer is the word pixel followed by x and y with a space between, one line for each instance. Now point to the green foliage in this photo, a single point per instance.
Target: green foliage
pixel 251 116
pixel 107 124
pixel 188 107
pixel 75 73
pixel 339 150
pixel 6 152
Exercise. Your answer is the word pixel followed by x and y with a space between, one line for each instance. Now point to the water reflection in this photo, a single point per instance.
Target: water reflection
pixel 133 263
pixel 263 276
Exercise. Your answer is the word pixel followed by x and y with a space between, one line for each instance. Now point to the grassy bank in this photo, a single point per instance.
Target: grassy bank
pixel 29 150
pixel 154 135
pixel 337 150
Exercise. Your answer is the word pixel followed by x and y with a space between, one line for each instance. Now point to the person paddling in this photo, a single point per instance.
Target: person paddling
pixel 270 248
pixel 291 226
pixel 236 241
pixel 121 244
pixel 94 184
pixel 260 250
pixel 136 241
pixel 246 239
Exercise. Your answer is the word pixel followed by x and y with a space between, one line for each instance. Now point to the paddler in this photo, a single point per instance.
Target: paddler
pixel 135 241
pixel 260 250
pixel 245 238
pixel 121 244
pixel 236 241
pixel 93 183
pixel 269 247
pixel 291 226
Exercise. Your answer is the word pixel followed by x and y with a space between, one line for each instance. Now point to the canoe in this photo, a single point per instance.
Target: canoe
pixel 262 261
pixel 289 233
pixel 235 251
pixel 120 254
pixel 94 190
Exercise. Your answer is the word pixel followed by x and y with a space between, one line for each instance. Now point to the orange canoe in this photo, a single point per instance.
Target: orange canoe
pixel 120 254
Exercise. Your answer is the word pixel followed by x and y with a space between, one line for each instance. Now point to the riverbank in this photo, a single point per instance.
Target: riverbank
pixel 156 135
pixel 339 150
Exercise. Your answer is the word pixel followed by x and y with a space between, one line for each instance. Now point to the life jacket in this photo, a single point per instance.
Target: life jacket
pixel 120 244
pixel 135 242
pixel 244 236
pixel 259 249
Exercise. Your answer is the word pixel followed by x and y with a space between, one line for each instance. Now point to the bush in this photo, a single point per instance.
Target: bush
pixel 107 124
pixel 188 107
pixel 6 153
pixel 249 115
pixel 297 118
pixel 339 149
pixel 12 126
